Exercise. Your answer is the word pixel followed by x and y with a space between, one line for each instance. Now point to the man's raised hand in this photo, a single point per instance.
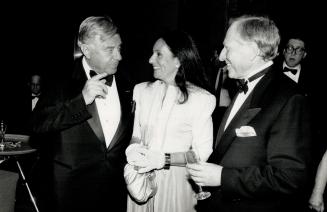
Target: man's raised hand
pixel 95 87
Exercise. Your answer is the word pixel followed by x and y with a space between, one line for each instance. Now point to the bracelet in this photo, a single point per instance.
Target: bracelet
pixel 167 161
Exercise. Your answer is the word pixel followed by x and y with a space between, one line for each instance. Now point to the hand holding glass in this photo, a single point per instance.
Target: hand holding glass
pixel 192 157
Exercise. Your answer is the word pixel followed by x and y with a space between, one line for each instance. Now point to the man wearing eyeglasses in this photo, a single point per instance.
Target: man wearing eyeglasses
pixel 300 71
pixel 294 53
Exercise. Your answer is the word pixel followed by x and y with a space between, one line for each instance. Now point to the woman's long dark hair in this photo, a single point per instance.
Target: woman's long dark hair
pixel 191 67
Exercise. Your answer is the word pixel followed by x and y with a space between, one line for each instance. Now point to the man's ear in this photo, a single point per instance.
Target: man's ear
pixel 255 49
pixel 85 50
pixel 304 55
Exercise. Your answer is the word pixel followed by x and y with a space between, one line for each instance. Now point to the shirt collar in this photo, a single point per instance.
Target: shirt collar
pixel 265 65
pixel 86 67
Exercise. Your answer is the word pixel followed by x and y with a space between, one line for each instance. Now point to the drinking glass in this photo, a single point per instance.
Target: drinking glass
pixel 145 137
pixel 3 129
pixel 192 157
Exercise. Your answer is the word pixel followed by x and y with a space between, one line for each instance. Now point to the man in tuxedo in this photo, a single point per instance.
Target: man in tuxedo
pixel 88 121
pixel 297 66
pixel 261 156
pixel 293 62
pixel 35 86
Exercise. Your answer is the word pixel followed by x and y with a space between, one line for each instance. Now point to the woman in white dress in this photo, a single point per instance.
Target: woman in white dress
pixel 173 115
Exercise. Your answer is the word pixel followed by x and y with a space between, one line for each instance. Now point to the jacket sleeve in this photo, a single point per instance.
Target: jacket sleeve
pixel 57 112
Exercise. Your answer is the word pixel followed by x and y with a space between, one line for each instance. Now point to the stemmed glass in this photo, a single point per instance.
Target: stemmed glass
pixel 144 141
pixel 145 136
pixel 3 129
pixel 192 157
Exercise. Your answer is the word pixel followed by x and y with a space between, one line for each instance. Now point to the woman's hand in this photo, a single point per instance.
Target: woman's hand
pixel 316 202
pixel 147 160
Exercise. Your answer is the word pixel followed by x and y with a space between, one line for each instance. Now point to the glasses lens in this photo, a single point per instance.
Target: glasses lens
pixel 299 50
pixel 291 49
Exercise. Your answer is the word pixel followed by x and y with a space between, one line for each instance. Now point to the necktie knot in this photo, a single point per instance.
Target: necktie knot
pixel 35 96
pixel 109 78
pixel 293 71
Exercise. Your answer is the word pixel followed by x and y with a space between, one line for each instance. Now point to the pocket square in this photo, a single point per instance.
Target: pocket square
pixel 245 131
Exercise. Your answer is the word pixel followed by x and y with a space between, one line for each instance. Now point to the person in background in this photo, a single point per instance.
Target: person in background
pixel 173 115
pixel 35 86
pixel 297 65
pixel 87 120
pixel 317 200
pixel 262 151
pixel 294 54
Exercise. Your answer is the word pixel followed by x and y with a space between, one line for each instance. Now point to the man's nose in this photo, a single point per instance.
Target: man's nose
pixel 222 55
pixel 118 55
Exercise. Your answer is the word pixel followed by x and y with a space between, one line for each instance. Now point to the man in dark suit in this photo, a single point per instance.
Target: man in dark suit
pixel 35 86
pixel 297 65
pixel 88 122
pixel 293 62
pixel 261 156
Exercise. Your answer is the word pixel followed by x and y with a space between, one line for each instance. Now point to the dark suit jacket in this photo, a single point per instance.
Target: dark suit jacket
pixel 306 82
pixel 268 171
pixel 87 174
pixel 311 85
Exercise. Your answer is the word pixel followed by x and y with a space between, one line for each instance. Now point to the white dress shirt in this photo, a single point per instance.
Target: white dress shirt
pixel 108 108
pixel 241 97
pixel 34 101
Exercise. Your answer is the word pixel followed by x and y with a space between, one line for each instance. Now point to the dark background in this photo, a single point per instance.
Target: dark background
pixel 39 37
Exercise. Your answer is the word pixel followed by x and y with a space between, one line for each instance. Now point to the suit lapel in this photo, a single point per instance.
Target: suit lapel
pixel 79 79
pixel 95 123
pixel 250 108
pixel 223 121
pixel 244 115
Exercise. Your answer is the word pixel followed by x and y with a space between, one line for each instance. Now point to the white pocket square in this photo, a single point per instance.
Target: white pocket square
pixel 245 131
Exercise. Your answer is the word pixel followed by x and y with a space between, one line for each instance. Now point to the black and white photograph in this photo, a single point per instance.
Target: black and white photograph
pixel 163 106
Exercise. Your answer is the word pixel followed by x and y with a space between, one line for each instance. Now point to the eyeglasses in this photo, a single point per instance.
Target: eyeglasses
pixel 291 50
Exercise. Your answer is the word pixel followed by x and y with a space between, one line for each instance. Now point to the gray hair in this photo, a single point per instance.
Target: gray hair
pixel 262 31
pixel 96 25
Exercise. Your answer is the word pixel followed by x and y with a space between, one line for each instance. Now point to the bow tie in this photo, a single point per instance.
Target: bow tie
pixel 242 84
pixel 293 71
pixel 33 97
pixel 109 78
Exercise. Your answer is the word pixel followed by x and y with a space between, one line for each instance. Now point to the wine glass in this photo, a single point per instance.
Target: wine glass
pixel 3 129
pixel 145 136
pixel 144 141
pixel 192 157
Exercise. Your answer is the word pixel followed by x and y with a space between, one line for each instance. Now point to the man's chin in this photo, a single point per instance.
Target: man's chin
pixel 111 71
